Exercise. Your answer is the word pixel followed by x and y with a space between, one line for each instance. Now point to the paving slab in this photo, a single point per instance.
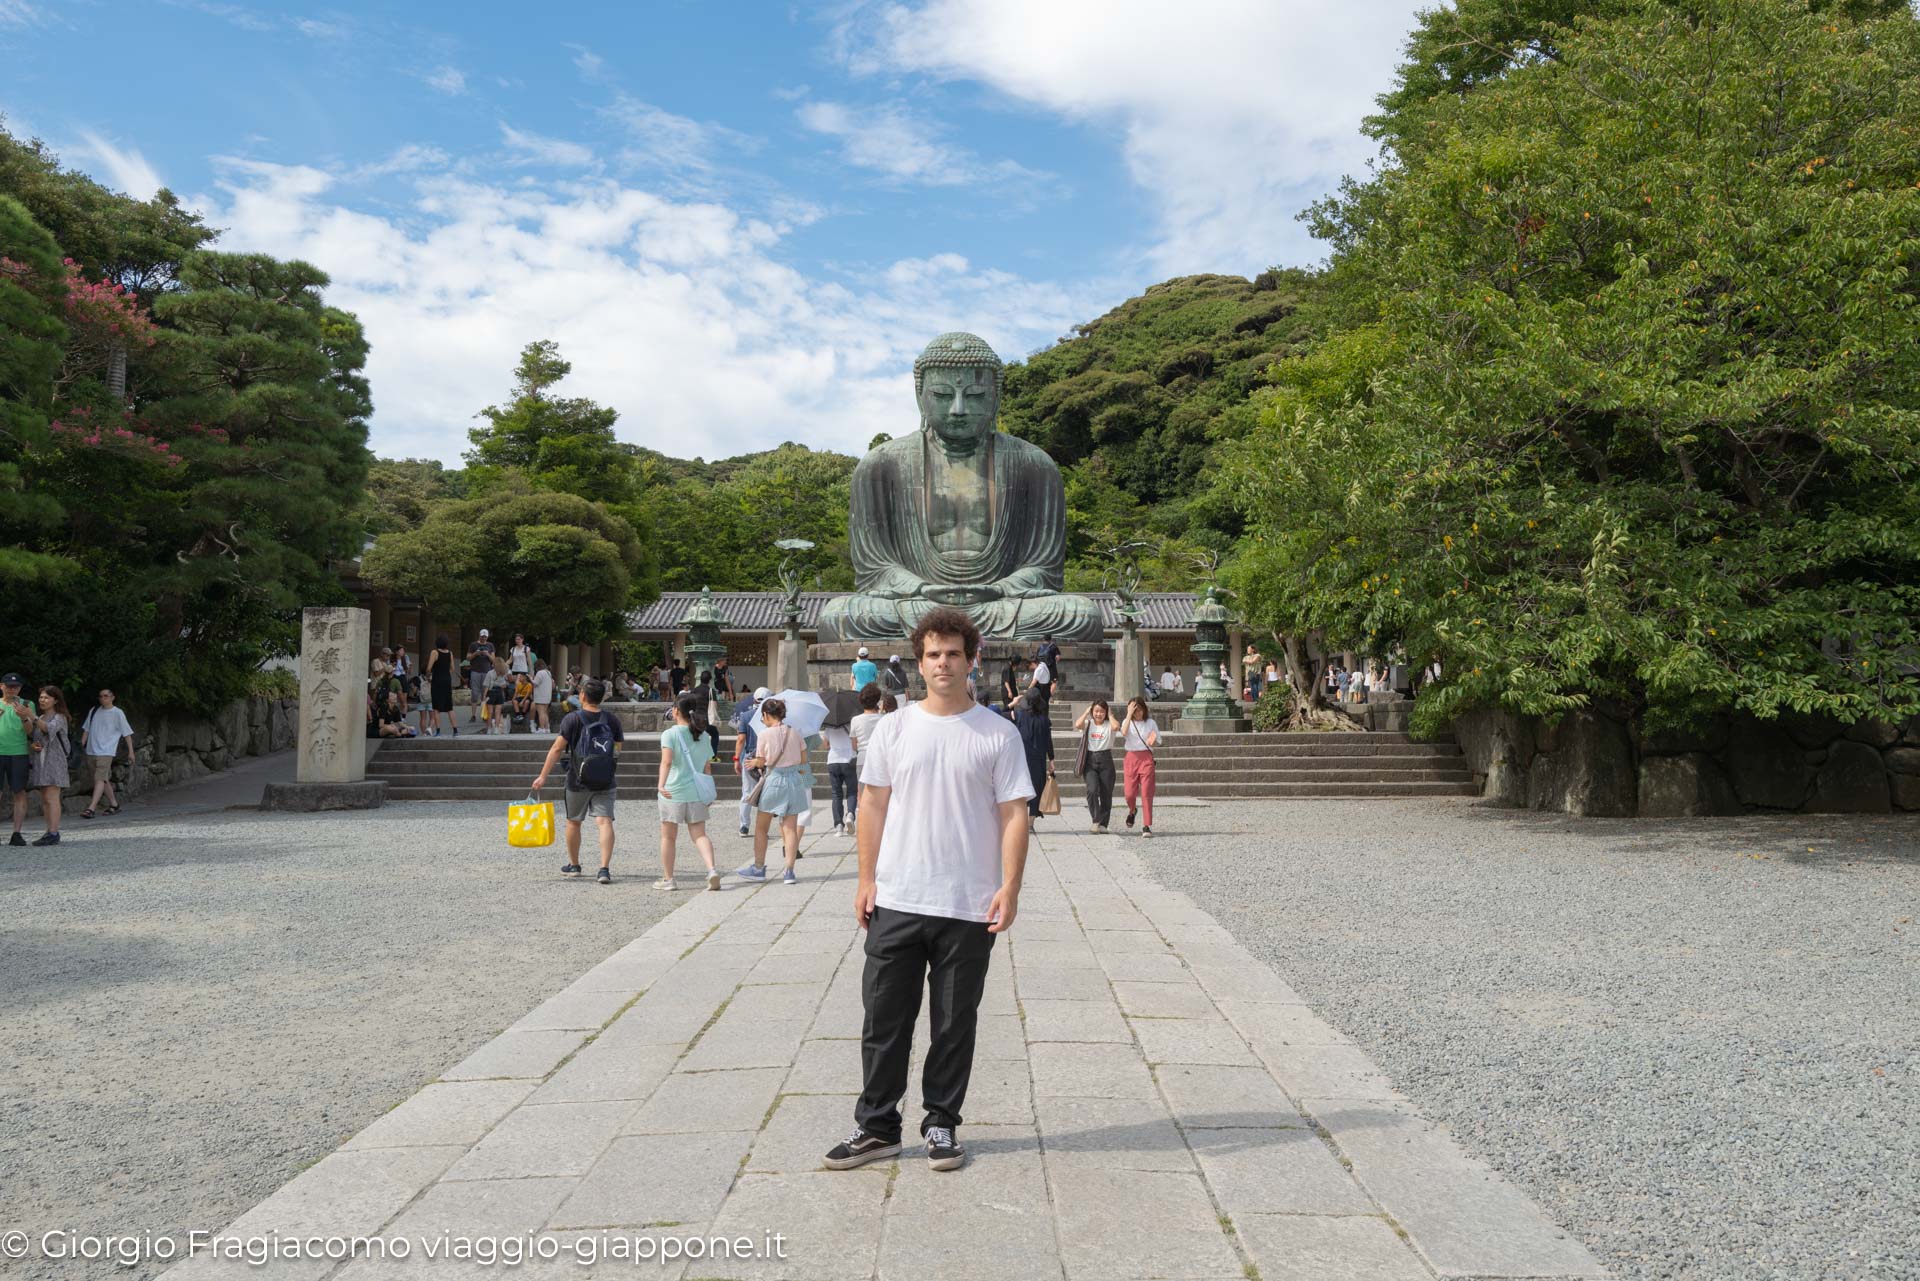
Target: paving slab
pixel 1146 1100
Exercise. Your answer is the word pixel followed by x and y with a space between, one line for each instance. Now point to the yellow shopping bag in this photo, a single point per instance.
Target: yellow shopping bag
pixel 530 823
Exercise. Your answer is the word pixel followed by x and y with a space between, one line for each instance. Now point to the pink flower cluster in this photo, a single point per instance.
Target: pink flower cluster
pixel 106 308
pixel 83 430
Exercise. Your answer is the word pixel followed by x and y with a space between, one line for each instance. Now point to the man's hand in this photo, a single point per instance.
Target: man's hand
pixel 1000 912
pixel 539 783
pixel 864 895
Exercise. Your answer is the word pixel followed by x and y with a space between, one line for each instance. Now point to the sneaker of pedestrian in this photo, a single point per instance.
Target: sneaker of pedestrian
pixel 743 829
pixel 1147 831
pixel 713 880
pixel 17 839
pixel 943 1149
pixel 569 869
pixel 838 829
pixel 1130 817
pixel 789 878
pixel 1093 829
pixel 665 883
pixel 1103 829
pixel 605 877
pixel 51 838
pixel 751 873
pixel 858 1149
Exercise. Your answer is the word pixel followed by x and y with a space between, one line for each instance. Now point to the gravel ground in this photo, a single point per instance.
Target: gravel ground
pixel 195 1009
pixel 1694 1042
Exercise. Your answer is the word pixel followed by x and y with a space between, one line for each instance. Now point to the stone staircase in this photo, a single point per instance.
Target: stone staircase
pixel 1216 766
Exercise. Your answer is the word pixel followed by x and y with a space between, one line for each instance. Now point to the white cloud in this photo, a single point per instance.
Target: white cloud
pixel 405 159
pixel 662 140
pixel 448 80
pixel 903 148
pixel 314 29
pixel 1236 113
pixel 678 313
pixel 590 65
pixel 536 149
pixel 18 13
pixel 127 169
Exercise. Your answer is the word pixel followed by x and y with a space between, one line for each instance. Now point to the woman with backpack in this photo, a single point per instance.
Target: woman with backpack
pixel 686 789
pixel 52 745
pixel 784 793
pixel 1139 735
pixel 1095 763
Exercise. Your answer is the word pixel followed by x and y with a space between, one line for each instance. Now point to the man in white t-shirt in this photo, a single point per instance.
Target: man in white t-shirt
pixel 103 734
pixel 942 852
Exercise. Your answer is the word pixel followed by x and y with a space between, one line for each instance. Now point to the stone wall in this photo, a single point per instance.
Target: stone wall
pixel 175 749
pixel 1596 762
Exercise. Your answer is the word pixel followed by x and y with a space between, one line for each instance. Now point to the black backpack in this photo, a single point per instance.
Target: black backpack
pixel 593 758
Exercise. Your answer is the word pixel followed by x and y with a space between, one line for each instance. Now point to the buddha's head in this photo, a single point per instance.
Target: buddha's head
pixel 957 380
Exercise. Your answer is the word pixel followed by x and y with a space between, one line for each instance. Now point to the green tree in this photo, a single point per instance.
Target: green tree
pixel 402 491
pixel 538 562
pixel 715 524
pixel 32 337
pixel 559 443
pixel 1634 414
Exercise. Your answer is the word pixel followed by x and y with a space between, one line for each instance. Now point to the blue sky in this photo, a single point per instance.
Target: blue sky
pixel 739 220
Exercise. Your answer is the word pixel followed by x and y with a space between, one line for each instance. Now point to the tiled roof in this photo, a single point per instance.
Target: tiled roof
pixel 765 611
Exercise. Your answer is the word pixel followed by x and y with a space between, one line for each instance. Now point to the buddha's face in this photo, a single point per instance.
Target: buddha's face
pixel 959 404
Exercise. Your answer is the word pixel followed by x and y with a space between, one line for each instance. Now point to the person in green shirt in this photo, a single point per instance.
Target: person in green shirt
pixel 685 756
pixel 17 721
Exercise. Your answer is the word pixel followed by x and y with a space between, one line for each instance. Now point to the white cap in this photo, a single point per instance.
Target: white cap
pixel 762 692
pixel 483 631
pixel 893 658
pixel 863 651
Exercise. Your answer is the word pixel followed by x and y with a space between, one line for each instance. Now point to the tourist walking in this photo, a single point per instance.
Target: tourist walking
pixel 743 744
pixel 865 670
pixel 677 678
pixel 102 734
pixel 1010 685
pixel 542 697
pixel 403 673
pixel 860 730
pixel 942 853
pixel 1094 763
pixel 1046 667
pixel 894 680
pixel 722 680
pixel 842 779
pixel 1036 739
pixel 17 724
pixel 497 684
pixel 591 740
pixel 479 667
pixel 784 793
pixel 440 685
pixel 685 787
pixel 1139 736
pixel 52 747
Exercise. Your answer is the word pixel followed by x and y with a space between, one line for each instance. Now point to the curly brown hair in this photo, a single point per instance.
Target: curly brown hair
pixel 945 621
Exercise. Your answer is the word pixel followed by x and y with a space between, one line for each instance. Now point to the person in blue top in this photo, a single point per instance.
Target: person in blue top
pixel 685 760
pixel 743 742
pixel 865 671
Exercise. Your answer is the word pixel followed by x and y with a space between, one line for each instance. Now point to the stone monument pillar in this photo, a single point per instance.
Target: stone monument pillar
pixel 1212 709
pixel 1127 660
pixel 331 768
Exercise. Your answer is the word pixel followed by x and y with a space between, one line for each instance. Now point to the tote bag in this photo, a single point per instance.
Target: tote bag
pixel 530 824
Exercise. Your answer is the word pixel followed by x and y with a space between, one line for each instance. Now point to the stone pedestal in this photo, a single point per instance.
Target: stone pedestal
pixel 305 798
pixel 333 695
pixel 791 669
pixel 1127 657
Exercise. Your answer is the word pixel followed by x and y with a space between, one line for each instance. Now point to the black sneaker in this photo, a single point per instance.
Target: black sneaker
pixel 858 1149
pixel 51 838
pixel 605 877
pixel 943 1149
pixel 17 839
pixel 743 829
pixel 569 869
pixel 1130 818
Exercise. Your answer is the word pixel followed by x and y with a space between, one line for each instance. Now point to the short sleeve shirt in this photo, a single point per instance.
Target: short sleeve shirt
pixel 865 673
pixel 839 746
pixel 13 732
pixel 940 847
pixel 105 728
pixel 690 757
pixel 1137 731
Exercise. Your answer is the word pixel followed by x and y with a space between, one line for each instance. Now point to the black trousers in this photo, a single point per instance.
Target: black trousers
pixel 846 791
pixel 1099 776
pixel 905 953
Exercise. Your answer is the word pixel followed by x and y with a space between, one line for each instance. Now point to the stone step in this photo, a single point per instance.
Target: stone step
pixel 462 790
pixel 1243 745
pixel 1221 771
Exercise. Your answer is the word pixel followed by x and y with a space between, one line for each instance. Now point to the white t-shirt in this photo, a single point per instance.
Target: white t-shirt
pixel 940 848
pixel 543 687
pixel 1042 675
pixel 861 729
pixel 105 727
pixel 520 659
pixel 1137 731
pixel 839 745
pixel 1099 736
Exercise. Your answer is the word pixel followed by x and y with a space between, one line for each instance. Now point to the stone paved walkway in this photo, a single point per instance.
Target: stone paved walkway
pixel 1147 1101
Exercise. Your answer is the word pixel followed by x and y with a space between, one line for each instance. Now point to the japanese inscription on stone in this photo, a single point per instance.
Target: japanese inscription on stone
pixel 333 665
